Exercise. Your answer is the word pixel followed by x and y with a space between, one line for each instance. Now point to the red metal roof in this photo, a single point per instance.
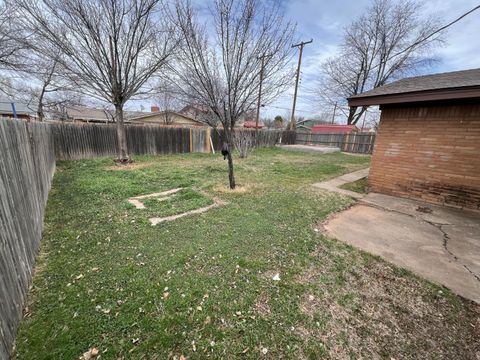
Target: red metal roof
pixel 251 124
pixel 334 129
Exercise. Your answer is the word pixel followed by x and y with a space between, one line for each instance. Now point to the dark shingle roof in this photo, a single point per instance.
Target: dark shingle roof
pixel 93 114
pixel 456 80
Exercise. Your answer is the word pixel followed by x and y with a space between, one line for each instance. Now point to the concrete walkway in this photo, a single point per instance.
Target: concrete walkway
pixel 334 184
pixel 439 243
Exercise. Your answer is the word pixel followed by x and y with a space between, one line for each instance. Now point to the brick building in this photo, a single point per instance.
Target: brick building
pixel 428 142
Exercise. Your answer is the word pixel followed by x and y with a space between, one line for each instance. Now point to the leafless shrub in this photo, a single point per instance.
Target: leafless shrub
pixel 244 141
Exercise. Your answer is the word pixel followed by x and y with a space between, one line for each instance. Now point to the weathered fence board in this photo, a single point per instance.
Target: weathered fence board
pixel 88 141
pixel 74 141
pixel 354 143
pixel 27 166
pixel 265 137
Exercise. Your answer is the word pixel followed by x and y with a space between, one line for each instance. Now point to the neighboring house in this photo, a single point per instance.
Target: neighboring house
pixel 196 112
pixel 307 125
pixel 85 114
pixel 22 111
pixel 428 141
pixel 334 129
pixel 252 124
pixel 201 113
pixel 167 118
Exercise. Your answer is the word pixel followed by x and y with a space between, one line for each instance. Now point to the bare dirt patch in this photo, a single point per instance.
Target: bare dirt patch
pixel 261 306
pixel 380 311
pixel 239 189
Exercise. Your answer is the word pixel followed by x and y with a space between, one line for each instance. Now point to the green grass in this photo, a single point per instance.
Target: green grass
pixel 201 286
pixel 180 202
pixel 359 186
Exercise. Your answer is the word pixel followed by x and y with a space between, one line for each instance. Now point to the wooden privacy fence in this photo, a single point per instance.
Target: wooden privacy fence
pixel 74 141
pixel 27 161
pixel 354 143
pixel 265 137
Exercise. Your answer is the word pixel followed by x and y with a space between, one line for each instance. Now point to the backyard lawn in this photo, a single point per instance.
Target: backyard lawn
pixel 251 278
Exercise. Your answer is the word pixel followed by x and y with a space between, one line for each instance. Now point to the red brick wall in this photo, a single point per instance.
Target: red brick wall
pixel 429 153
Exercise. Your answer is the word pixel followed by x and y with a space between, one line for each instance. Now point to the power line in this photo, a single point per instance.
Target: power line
pixel 288 109
pixel 424 38
pixel 434 33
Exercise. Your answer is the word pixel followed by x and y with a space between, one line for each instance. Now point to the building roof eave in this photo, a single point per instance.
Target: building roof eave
pixel 416 96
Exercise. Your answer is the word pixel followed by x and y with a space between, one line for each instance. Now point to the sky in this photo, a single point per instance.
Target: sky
pixel 324 21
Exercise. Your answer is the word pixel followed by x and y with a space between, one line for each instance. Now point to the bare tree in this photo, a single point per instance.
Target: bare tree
pixel 109 49
pixel 9 46
pixel 268 122
pixel 41 86
pixel 221 72
pixel 167 99
pixel 390 40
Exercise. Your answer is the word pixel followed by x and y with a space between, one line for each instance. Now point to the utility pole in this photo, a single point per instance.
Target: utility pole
pixel 300 45
pixel 262 58
pixel 334 111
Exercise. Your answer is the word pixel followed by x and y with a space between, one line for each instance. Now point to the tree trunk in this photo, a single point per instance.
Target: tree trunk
pixel 351 115
pixel 231 176
pixel 122 149
pixel 228 138
pixel 40 114
pixel 354 116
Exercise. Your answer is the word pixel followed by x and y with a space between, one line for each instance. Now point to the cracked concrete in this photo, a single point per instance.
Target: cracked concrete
pixel 439 243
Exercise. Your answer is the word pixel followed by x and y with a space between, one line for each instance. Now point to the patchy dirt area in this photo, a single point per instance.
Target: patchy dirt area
pixel 262 307
pixel 379 311
pixel 239 188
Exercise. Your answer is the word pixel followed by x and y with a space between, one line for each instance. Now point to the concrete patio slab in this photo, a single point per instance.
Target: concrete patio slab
pixel 311 148
pixel 439 243
pixel 334 184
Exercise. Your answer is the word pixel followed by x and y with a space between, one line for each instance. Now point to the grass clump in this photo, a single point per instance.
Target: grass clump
pixel 359 186
pixel 177 203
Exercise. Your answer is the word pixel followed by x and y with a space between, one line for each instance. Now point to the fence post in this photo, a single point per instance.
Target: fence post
pixel 207 140
pixel 191 140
